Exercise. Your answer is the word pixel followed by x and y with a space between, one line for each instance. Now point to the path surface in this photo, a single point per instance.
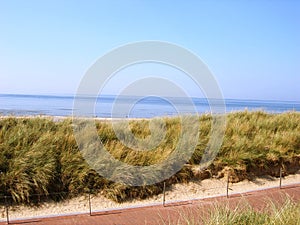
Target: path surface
pixel 168 214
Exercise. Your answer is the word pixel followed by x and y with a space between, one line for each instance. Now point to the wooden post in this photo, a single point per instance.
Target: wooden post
pixel 90 204
pixel 280 177
pixel 227 186
pixel 164 194
pixel 6 210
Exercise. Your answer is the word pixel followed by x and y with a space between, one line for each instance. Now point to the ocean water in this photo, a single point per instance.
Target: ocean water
pixel 25 105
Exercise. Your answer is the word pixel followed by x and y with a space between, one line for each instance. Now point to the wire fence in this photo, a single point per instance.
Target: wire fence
pixel 90 204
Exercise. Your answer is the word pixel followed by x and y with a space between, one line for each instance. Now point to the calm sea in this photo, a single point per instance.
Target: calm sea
pixel 144 108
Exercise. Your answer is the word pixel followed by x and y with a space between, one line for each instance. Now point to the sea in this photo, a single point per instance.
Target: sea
pixel 148 107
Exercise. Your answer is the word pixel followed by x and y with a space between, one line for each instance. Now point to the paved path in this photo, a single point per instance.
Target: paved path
pixel 168 214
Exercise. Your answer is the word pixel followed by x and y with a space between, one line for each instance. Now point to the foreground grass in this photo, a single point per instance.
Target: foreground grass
pixel 287 213
pixel 39 156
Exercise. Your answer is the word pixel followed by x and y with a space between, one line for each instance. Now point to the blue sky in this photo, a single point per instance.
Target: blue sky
pixel 252 47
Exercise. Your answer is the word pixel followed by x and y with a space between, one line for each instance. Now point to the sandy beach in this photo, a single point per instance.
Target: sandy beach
pixel 178 192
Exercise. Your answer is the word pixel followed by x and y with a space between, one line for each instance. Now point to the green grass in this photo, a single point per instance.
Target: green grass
pixel 274 213
pixel 40 156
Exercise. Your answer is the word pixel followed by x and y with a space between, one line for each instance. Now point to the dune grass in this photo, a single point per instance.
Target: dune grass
pixel 39 156
pixel 275 213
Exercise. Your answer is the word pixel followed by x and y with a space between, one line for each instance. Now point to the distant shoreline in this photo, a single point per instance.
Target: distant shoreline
pixel 108 119
pixel 133 107
pixel 60 118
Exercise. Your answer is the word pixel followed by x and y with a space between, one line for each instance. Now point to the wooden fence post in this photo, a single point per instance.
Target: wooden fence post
pixel 6 210
pixel 164 194
pixel 227 186
pixel 90 204
pixel 280 177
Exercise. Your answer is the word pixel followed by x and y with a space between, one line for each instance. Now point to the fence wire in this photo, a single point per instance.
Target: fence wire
pixel 60 203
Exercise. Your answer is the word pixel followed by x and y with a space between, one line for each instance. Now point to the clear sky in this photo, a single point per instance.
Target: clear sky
pixel 252 47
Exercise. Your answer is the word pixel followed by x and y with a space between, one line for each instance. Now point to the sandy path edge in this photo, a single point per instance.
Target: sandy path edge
pixel 173 213
pixel 178 192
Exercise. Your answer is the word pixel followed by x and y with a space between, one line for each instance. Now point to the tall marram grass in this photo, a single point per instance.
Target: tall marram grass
pixel 40 156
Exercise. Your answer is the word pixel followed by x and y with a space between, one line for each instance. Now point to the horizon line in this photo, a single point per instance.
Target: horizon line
pixel 113 95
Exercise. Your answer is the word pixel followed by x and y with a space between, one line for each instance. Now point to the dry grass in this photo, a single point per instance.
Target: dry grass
pixel 40 156
pixel 274 213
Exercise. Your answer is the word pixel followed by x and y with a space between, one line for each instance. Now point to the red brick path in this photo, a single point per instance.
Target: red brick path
pixel 152 215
